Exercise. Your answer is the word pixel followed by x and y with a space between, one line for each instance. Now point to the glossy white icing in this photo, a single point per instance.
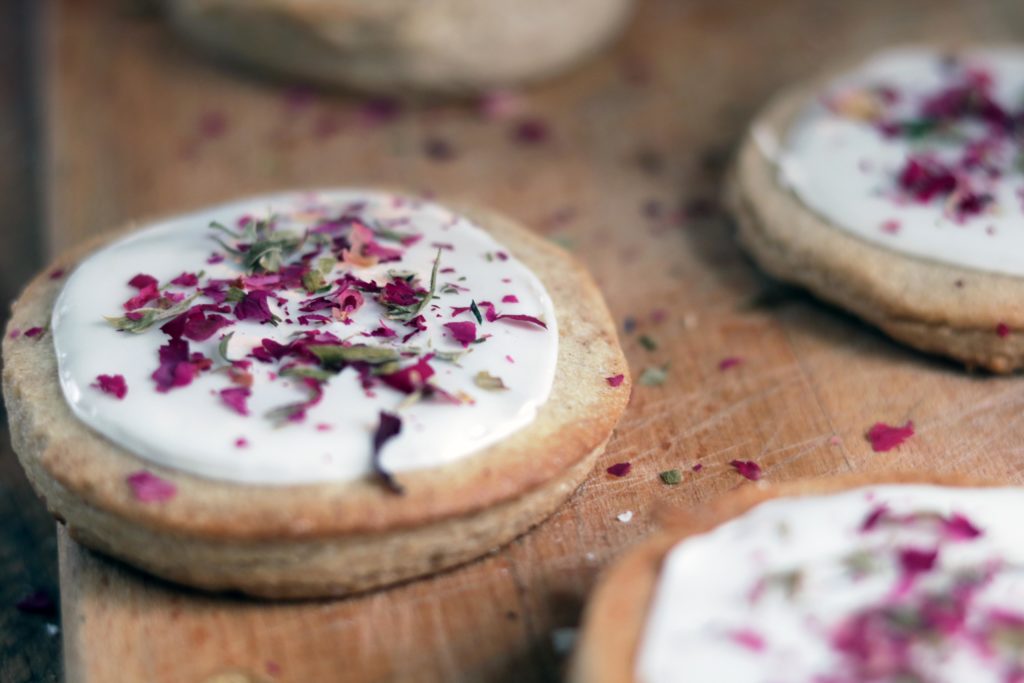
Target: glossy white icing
pixel 189 428
pixel 773 596
pixel 840 164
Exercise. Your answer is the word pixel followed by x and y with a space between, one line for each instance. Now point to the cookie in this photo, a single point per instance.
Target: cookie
pixel 893 189
pixel 310 394
pixel 395 46
pixel 838 580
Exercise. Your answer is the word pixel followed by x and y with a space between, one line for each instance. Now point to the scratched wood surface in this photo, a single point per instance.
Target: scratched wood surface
pixel 139 125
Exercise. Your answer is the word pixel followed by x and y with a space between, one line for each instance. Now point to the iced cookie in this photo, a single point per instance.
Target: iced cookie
pixel 830 581
pixel 400 45
pixel 311 393
pixel 895 190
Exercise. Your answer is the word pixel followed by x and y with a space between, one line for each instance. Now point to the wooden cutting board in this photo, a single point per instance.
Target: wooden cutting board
pixel 137 125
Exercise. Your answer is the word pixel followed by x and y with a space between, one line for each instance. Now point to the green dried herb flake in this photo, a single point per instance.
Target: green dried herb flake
pixel 222 347
pixel 336 356
pixel 671 477
pixel 486 380
pixel 654 376
pixel 147 317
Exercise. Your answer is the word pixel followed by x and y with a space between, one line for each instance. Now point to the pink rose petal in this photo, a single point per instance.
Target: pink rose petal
pixel 885 437
pixel 747 468
pixel 112 384
pixel 149 488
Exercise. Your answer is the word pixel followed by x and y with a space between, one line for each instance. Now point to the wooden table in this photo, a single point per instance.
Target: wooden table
pixel 138 125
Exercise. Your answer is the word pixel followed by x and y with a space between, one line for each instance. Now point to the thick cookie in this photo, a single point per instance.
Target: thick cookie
pixel 893 189
pixel 839 580
pixel 326 393
pixel 400 45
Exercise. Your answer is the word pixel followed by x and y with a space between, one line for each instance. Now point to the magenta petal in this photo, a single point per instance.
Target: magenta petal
pixel 149 488
pixel 885 437
pixel 112 384
pixel 463 332
pixel 236 398
pixel 747 468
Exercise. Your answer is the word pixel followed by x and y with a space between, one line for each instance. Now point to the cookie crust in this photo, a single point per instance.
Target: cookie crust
pixel 353 535
pixel 616 612
pixel 934 307
pixel 454 46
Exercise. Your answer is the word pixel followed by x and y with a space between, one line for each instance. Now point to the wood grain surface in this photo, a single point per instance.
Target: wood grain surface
pixel 139 125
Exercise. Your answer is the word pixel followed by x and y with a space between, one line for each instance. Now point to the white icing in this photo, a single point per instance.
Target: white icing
pixel 845 169
pixel 711 587
pixel 190 429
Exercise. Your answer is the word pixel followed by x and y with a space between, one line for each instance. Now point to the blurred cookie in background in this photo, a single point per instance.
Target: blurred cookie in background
pixel 449 46
pixel 894 190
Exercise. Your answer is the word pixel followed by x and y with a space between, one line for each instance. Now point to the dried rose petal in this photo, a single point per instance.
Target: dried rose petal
pixel 747 468
pixel 917 561
pixel 212 124
pixel 620 469
pixel 254 306
pixel 236 398
pixel 885 437
pixel 398 292
pixel 417 324
pixel 891 226
pixel 924 178
pixel 615 380
pixel 177 366
pixel 383 332
pixel 730 362
pixel 500 104
pixel 380 110
pixel 412 378
pixel 531 131
pixel 149 488
pixel 751 640
pixel 112 384
pixel 388 427
pixel 463 332
pixel 1003 330
pixel 37 602
pixel 142 281
pixel 196 324
pixel 186 280
pixel 874 517
pixel 522 319
pixel 959 528
pixel 146 294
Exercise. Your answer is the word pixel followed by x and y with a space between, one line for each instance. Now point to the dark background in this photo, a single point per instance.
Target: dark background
pixel 29 643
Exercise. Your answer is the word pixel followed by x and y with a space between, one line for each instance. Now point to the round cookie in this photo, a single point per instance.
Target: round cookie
pixel 328 397
pixel 838 580
pixel 400 45
pixel 893 189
